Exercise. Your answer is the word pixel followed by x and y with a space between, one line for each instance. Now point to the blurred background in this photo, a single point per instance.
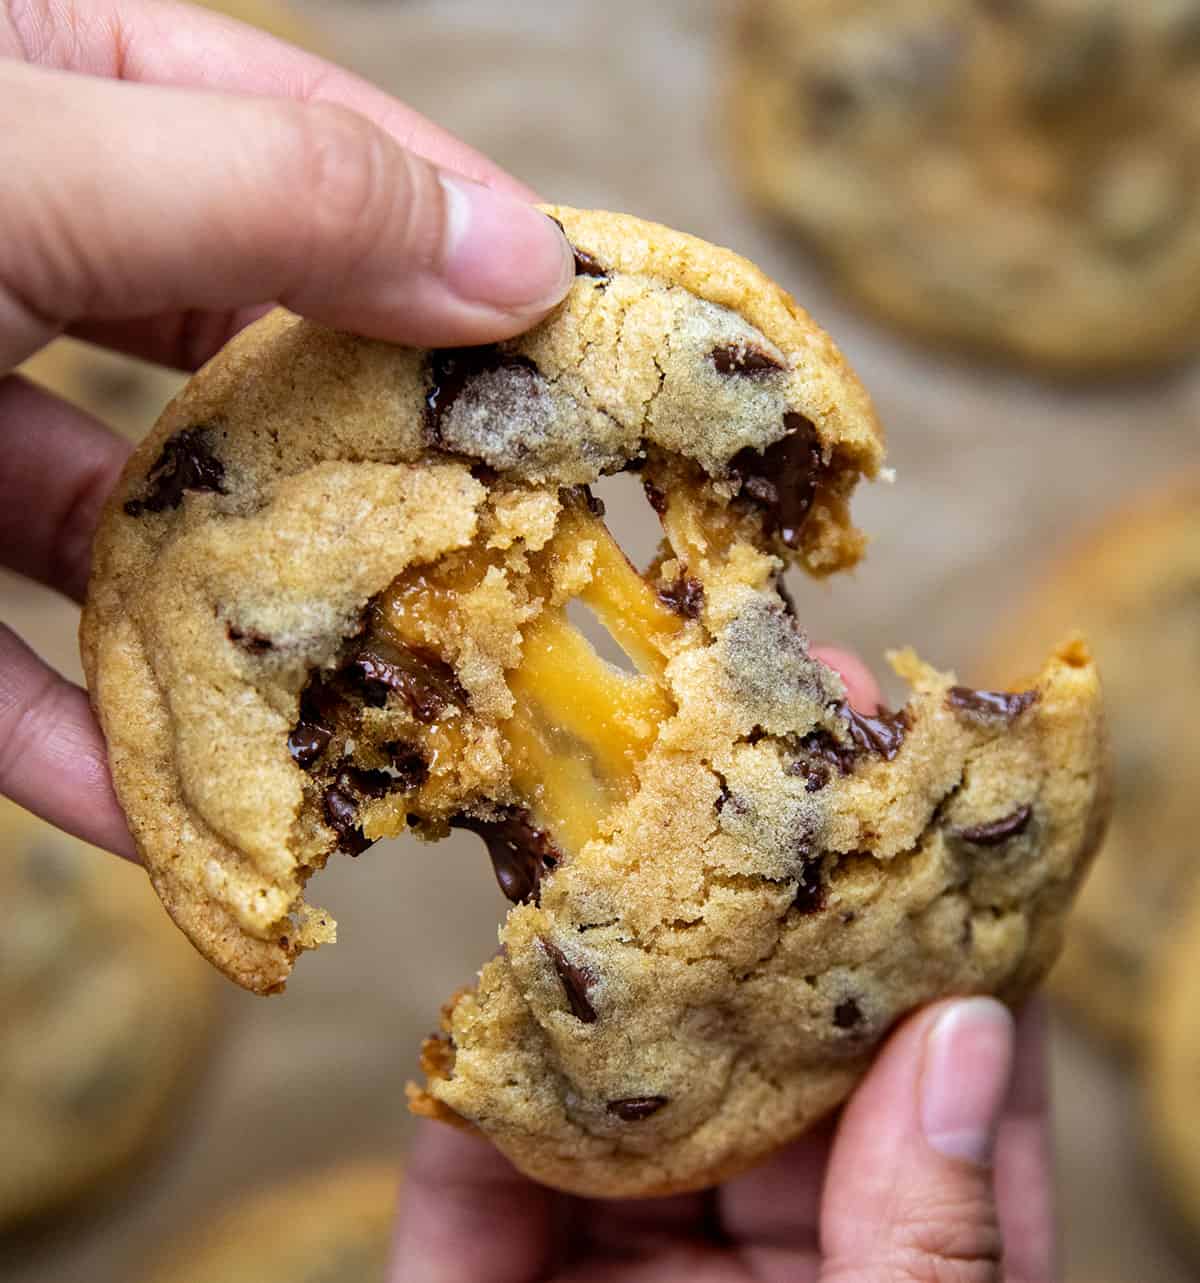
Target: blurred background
pixel 621 105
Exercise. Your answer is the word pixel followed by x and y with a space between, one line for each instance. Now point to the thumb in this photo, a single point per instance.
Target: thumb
pixel 130 200
pixel 909 1188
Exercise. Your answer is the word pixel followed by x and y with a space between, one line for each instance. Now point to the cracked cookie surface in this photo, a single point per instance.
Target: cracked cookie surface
pixel 1134 587
pixel 105 1015
pixel 330 602
pixel 1016 177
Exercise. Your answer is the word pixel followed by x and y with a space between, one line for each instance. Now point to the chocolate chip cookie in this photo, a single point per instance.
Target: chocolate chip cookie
pixel 1134 585
pixel 1016 176
pixel 105 1015
pixel 330 603
pixel 334 1227
pixel 1171 1086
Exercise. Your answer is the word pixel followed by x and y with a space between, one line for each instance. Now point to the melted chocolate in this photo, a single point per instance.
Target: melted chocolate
pixel 366 783
pixel 412 770
pixel 818 753
pixel 587 265
pixel 634 1108
pixel 880 733
pixel 426 683
pixel 341 814
pixel 782 480
pixel 522 854
pixel 685 597
pixel 186 463
pixel 997 831
pixel 990 707
pixel 576 981
pixel 451 369
pixel 307 742
pixel 738 360
pixel 810 892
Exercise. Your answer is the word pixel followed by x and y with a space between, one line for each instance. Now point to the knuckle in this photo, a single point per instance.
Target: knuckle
pixel 954 1240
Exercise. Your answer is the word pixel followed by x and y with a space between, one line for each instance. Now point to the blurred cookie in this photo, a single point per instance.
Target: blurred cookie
pixel 1172 1076
pixel 104 1015
pixel 334 1227
pixel 1017 176
pixel 1134 587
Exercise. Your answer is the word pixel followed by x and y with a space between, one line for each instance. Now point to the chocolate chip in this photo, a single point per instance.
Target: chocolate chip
pixel 990 707
pixel 426 683
pixel 341 814
pixel 685 597
pixel 522 854
pixel 576 981
pixel 186 463
pixel 997 831
pixel 810 892
pixel 880 733
pixel 366 783
pixel 782 480
pixel 656 498
pixel 412 770
pixel 255 643
pixel 847 1014
pixel 585 264
pixel 307 742
pixel 818 752
pixel 634 1108
pixel 451 369
pixel 741 360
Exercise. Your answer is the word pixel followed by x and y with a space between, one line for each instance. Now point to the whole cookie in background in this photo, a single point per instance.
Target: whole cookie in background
pixel 1015 176
pixel 1134 587
pixel 1171 1081
pixel 329 602
pixel 331 1227
pixel 105 1018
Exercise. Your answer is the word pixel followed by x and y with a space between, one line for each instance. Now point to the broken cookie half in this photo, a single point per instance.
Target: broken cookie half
pixel 330 603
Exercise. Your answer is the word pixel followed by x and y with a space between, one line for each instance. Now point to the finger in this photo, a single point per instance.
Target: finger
pixel 176 44
pixel 773 1212
pixel 52 755
pixel 861 687
pixel 909 1188
pixel 59 466
pixel 1024 1177
pixel 625 1227
pixel 225 202
pixel 468 1216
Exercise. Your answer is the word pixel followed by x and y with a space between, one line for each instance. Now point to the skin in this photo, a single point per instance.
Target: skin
pixel 250 173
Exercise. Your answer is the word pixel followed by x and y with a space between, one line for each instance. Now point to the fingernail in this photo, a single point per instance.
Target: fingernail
pixel 502 252
pixel 965 1076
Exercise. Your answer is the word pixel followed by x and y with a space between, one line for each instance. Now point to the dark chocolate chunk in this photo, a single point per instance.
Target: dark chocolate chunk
pixel 426 683
pixel 366 783
pixel 585 264
pixel 810 891
pixel 451 369
pixel 990 707
pixel 782 480
pixel 997 831
pixel 847 1014
pixel 685 597
pixel 307 742
pixel 656 498
pixel 522 854
pixel 412 770
pixel 880 733
pixel 818 752
pixel 634 1108
pixel 186 463
pixel 255 643
pixel 740 360
pixel 576 981
pixel 341 814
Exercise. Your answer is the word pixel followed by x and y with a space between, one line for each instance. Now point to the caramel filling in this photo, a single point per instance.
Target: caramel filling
pixel 580 726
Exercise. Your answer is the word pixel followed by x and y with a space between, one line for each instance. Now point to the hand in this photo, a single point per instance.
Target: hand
pixel 169 174
pixel 936 1172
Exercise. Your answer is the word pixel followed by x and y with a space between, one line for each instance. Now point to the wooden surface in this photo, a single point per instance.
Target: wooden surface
pixel 615 105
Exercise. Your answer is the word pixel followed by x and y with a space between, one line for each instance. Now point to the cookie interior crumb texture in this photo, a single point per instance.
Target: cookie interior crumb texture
pixel 1017 177
pixel 330 603
pixel 105 1017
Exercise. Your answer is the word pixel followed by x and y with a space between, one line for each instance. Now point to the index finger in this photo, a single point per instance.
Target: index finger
pixel 157 42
